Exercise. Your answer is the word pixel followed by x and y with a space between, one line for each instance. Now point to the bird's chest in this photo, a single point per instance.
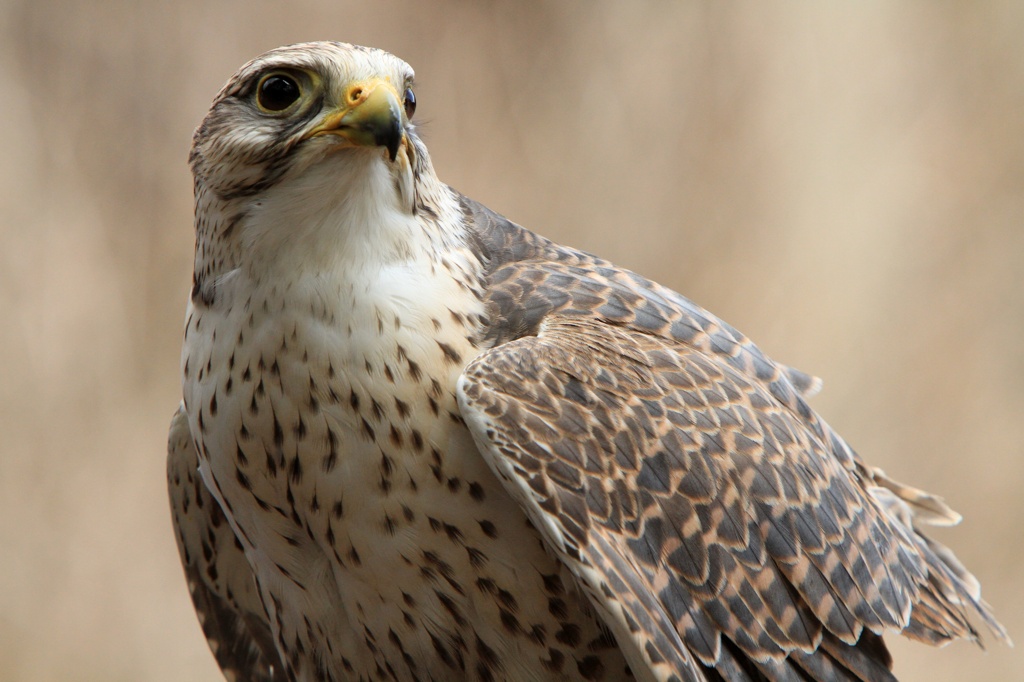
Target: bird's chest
pixel 293 389
pixel 318 410
pixel 375 530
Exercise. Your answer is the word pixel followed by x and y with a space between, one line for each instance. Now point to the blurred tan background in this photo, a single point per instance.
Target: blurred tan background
pixel 844 183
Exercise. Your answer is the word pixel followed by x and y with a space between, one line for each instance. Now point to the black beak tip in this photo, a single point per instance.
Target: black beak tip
pixel 390 137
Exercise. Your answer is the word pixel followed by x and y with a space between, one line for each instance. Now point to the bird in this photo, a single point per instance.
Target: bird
pixel 418 441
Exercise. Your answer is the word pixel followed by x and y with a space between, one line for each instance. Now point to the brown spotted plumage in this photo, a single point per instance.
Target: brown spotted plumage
pixel 419 442
pixel 219 579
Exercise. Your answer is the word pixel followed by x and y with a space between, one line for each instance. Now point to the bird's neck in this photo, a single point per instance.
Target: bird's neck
pixel 344 220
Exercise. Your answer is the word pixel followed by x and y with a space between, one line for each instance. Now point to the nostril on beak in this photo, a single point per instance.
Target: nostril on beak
pixel 355 94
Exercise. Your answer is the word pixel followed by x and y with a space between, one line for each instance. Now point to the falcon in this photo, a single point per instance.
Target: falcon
pixel 419 442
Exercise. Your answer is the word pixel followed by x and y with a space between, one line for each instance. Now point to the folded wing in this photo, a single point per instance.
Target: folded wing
pixel 219 579
pixel 720 531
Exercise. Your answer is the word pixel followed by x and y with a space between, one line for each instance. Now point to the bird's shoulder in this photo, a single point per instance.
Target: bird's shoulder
pixel 529 278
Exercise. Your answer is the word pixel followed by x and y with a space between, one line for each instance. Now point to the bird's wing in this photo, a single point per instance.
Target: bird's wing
pixel 705 518
pixel 222 585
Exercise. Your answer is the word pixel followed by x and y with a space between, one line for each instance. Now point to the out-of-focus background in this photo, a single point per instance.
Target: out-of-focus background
pixel 843 182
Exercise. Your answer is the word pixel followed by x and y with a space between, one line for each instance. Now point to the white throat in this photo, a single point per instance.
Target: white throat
pixel 350 209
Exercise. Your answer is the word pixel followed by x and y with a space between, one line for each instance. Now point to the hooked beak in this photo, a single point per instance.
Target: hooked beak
pixel 369 116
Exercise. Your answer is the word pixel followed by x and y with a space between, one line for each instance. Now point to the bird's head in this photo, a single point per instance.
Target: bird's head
pixel 294 106
pixel 303 134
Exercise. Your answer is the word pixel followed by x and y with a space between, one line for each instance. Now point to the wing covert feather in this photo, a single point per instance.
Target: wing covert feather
pixel 654 468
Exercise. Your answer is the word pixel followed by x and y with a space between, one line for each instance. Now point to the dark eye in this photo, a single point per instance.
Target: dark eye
pixel 277 92
pixel 410 103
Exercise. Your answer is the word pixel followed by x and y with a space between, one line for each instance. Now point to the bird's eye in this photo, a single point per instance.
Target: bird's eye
pixel 277 92
pixel 410 103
